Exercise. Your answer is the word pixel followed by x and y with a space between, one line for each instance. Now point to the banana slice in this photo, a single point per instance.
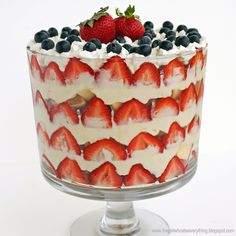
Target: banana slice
pixel 176 94
pixel 116 105
pixel 184 151
pixel 86 94
pixel 76 102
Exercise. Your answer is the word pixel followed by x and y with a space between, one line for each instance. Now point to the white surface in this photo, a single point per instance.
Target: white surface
pixel 29 206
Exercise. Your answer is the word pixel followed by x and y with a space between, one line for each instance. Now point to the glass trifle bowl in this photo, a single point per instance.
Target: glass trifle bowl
pixel 118 130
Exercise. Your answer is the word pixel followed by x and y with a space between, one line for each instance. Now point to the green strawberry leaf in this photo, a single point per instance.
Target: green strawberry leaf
pixel 129 12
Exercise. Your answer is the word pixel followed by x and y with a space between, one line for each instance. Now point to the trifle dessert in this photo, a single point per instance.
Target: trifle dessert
pixel 118 102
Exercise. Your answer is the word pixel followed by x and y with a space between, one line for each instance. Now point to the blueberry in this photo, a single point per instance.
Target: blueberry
pixel 182 27
pixel 52 32
pixel 63 46
pixel 120 39
pixel 74 32
pixel 182 40
pixel 148 25
pixel 166 44
pixel 66 29
pixel 46 32
pixel 171 38
pixel 194 38
pixel 194 33
pixel 128 47
pixel 191 30
pixel 134 50
pixel 40 36
pixel 97 42
pixel 145 50
pixel 168 25
pixel 114 47
pixel 150 31
pixel 144 40
pixel 72 38
pixel 156 43
pixel 164 30
pixel 64 34
pixel 148 35
pixel 47 44
pixel 90 47
pixel 171 32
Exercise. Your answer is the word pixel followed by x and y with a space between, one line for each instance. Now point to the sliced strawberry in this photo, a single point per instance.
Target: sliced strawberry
pixel 39 100
pixel 165 107
pixel 62 139
pixel 45 158
pixel 194 125
pixel 35 68
pixel 96 114
pixel 174 168
pixel 132 110
pixel 188 97
pixel 115 69
pixel 175 135
pixel 143 141
pixel 106 147
pixel 197 59
pixel 70 170
pixel 67 112
pixel 200 91
pixel 147 74
pixel 174 71
pixel 54 73
pixel 42 134
pixel 75 68
pixel 139 175
pixel 105 175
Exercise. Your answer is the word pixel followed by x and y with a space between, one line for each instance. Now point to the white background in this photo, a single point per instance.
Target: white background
pixel 29 206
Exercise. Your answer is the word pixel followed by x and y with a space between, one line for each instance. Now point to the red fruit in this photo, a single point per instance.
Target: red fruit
pixel 174 168
pixel 165 107
pixel 143 141
pixel 197 59
pixel 70 170
pixel 54 73
pixel 132 110
pixel 175 135
pixel 35 68
pixel 194 125
pixel 66 111
pixel 188 97
pixel 200 91
pixel 96 114
pixel 115 69
pixel 42 134
pixel 139 175
pixel 39 100
pixel 95 151
pixel 51 165
pixel 100 26
pixel 75 68
pixel 174 71
pixel 128 24
pixel 105 175
pixel 147 74
pixel 62 139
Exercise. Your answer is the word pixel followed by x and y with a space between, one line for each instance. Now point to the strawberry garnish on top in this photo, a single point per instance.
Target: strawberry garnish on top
pixel 132 110
pixel 115 69
pixel 128 24
pixel 75 68
pixel 139 175
pixel 174 168
pixel 35 68
pixel 105 149
pixel 188 97
pixel 144 140
pixel 174 71
pixel 100 26
pixel 105 175
pixel 165 107
pixel 147 74
pixel 96 114
pixel 53 73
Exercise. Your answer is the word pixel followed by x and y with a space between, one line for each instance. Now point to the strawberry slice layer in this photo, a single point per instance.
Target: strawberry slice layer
pixel 53 73
pixel 198 59
pixel 132 110
pixel 115 69
pixel 175 135
pixel 97 114
pixel 76 68
pixel 105 175
pixel 36 70
pixel 165 107
pixel 188 97
pixel 200 92
pixel 105 149
pixel 194 125
pixel 62 139
pixel 143 141
pixel 147 74
pixel 42 134
pixel 40 101
pixel 139 175
pixel 64 110
pixel 174 71
pixel 174 168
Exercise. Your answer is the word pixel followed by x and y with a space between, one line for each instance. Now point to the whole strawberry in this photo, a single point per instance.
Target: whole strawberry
pixel 128 24
pixel 101 26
